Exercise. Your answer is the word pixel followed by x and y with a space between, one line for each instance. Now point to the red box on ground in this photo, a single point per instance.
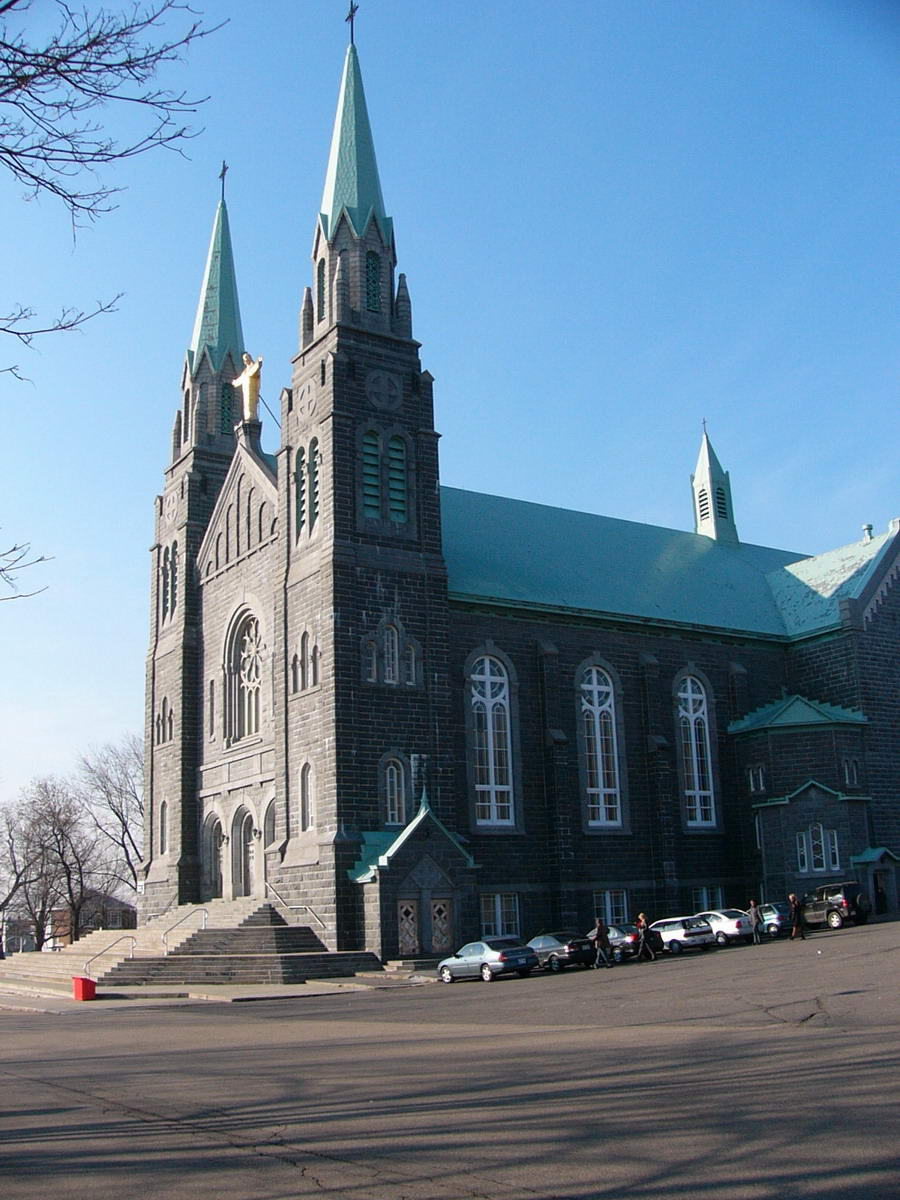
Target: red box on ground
pixel 83 989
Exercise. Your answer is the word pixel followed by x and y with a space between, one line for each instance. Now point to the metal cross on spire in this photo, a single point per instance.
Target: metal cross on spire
pixel 703 423
pixel 354 8
pixel 222 175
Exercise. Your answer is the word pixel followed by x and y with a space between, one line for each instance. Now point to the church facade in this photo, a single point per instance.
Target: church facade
pixel 417 715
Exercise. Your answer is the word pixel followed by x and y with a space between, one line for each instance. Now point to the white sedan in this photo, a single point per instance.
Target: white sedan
pixel 729 925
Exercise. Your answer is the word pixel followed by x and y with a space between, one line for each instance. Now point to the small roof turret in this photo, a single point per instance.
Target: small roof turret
pixel 217 327
pixel 713 512
pixel 351 181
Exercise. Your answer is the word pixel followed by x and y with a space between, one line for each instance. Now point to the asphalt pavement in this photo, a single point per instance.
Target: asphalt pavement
pixel 742 1074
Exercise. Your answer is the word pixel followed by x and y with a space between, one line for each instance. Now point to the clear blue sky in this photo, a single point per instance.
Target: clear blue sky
pixel 616 217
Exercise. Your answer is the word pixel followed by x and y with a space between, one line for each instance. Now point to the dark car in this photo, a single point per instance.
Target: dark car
pixel 834 904
pixel 624 941
pixel 487 959
pixel 558 950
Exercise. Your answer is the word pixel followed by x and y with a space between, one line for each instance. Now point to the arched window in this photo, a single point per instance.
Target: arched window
pixel 170 725
pixel 371 474
pixel 226 399
pixel 307 799
pixel 269 826
pixel 598 718
pixel 304 662
pixel 295 674
pixel 410 665
pixel 186 428
pixel 696 759
pixel 159 729
pixel 164 721
pixel 163 827
pixel 373 282
pixel 300 491
pixel 245 678
pixel 164 577
pixel 492 746
pixel 173 581
pixel 391 654
pixel 313 482
pixel 397 479
pixel 320 290
pixel 394 792
pixel 314 667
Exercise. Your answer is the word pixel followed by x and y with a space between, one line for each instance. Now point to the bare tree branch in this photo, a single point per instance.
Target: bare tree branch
pixel 111 785
pixel 14 559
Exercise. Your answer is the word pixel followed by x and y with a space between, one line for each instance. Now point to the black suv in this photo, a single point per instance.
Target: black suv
pixel 834 904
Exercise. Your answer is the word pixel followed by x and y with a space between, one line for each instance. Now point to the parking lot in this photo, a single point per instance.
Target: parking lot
pixel 749 1072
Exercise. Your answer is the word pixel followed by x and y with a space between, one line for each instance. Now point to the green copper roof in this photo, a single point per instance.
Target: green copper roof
pixel 518 554
pixel 872 854
pixel 378 848
pixel 794 711
pixel 351 182
pixel 217 327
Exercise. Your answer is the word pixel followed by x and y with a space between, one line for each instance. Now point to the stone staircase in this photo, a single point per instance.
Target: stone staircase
pixel 244 941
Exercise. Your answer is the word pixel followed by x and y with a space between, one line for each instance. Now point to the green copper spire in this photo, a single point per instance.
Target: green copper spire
pixel 351 182
pixel 218 324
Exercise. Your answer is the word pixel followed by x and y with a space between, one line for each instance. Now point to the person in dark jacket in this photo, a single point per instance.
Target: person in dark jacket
pixel 796 918
pixel 645 950
pixel 600 938
pixel 755 921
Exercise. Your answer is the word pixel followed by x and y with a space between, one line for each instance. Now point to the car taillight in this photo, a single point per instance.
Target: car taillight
pixel 632 937
pixel 845 903
pixel 504 957
pixel 739 924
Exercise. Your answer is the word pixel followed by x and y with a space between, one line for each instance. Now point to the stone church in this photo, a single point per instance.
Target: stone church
pixel 420 715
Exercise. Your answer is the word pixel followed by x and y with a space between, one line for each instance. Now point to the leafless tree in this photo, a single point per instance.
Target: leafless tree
pixel 74 849
pixel 27 862
pixel 111 784
pixel 53 91
pixel 13 560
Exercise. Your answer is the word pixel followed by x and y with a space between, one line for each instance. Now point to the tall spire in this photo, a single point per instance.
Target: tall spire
pixel 351 181
pixel 713 511
pixel 217 327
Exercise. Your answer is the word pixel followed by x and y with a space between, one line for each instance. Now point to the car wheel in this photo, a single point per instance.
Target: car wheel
pixel 486 973
pixel 674 947
pixel 554 965
pixel 524 972
pixel 722 939
pixel 446 975
pixel 835 920
pixel 773 931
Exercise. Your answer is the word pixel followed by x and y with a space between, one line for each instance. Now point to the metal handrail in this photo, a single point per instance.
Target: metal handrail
pixel 193 913
pixel 295 907
pixel 126 937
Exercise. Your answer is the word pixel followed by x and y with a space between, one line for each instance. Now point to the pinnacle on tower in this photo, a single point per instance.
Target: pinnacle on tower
pixel 217 327
pixel 713 511
pixel 351 181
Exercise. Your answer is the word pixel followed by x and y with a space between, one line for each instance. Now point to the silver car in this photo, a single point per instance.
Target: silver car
pixel 487 959
pixel 729 925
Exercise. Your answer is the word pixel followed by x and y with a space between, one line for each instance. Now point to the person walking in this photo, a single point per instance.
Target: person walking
pixel 600 938
pixel 755 921
pixel 645 950
pixel 796 918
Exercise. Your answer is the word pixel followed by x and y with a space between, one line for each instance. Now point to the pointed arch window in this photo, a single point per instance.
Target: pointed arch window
pixel 397 479
pixel 307 798
pixel 696 757
pixel 320 290
pixel 226 400
pixel 163 827
pixel 164 583
pixel 391 654
pixel 492 746
pixel 313 483
pixel 395 792
pixel 373 282
pixel 244 679
pixel 371 474
pixel 598 718
pixel 173 579
pixel 300 491
pixel 304 662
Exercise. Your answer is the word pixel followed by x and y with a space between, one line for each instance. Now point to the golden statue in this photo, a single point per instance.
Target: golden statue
pixel 248 381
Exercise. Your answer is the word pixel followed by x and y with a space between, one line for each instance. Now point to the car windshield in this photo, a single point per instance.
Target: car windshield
pixel 501 943
pixel 623 928
pixel 733 914
pixel 781 909
pixel 564 937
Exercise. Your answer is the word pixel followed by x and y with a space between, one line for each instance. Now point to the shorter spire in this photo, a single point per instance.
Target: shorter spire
pixel 217 327
pixel 713 511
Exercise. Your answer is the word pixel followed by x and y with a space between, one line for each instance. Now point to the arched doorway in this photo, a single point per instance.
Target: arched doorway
pixel 244 855
pixel 215 840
